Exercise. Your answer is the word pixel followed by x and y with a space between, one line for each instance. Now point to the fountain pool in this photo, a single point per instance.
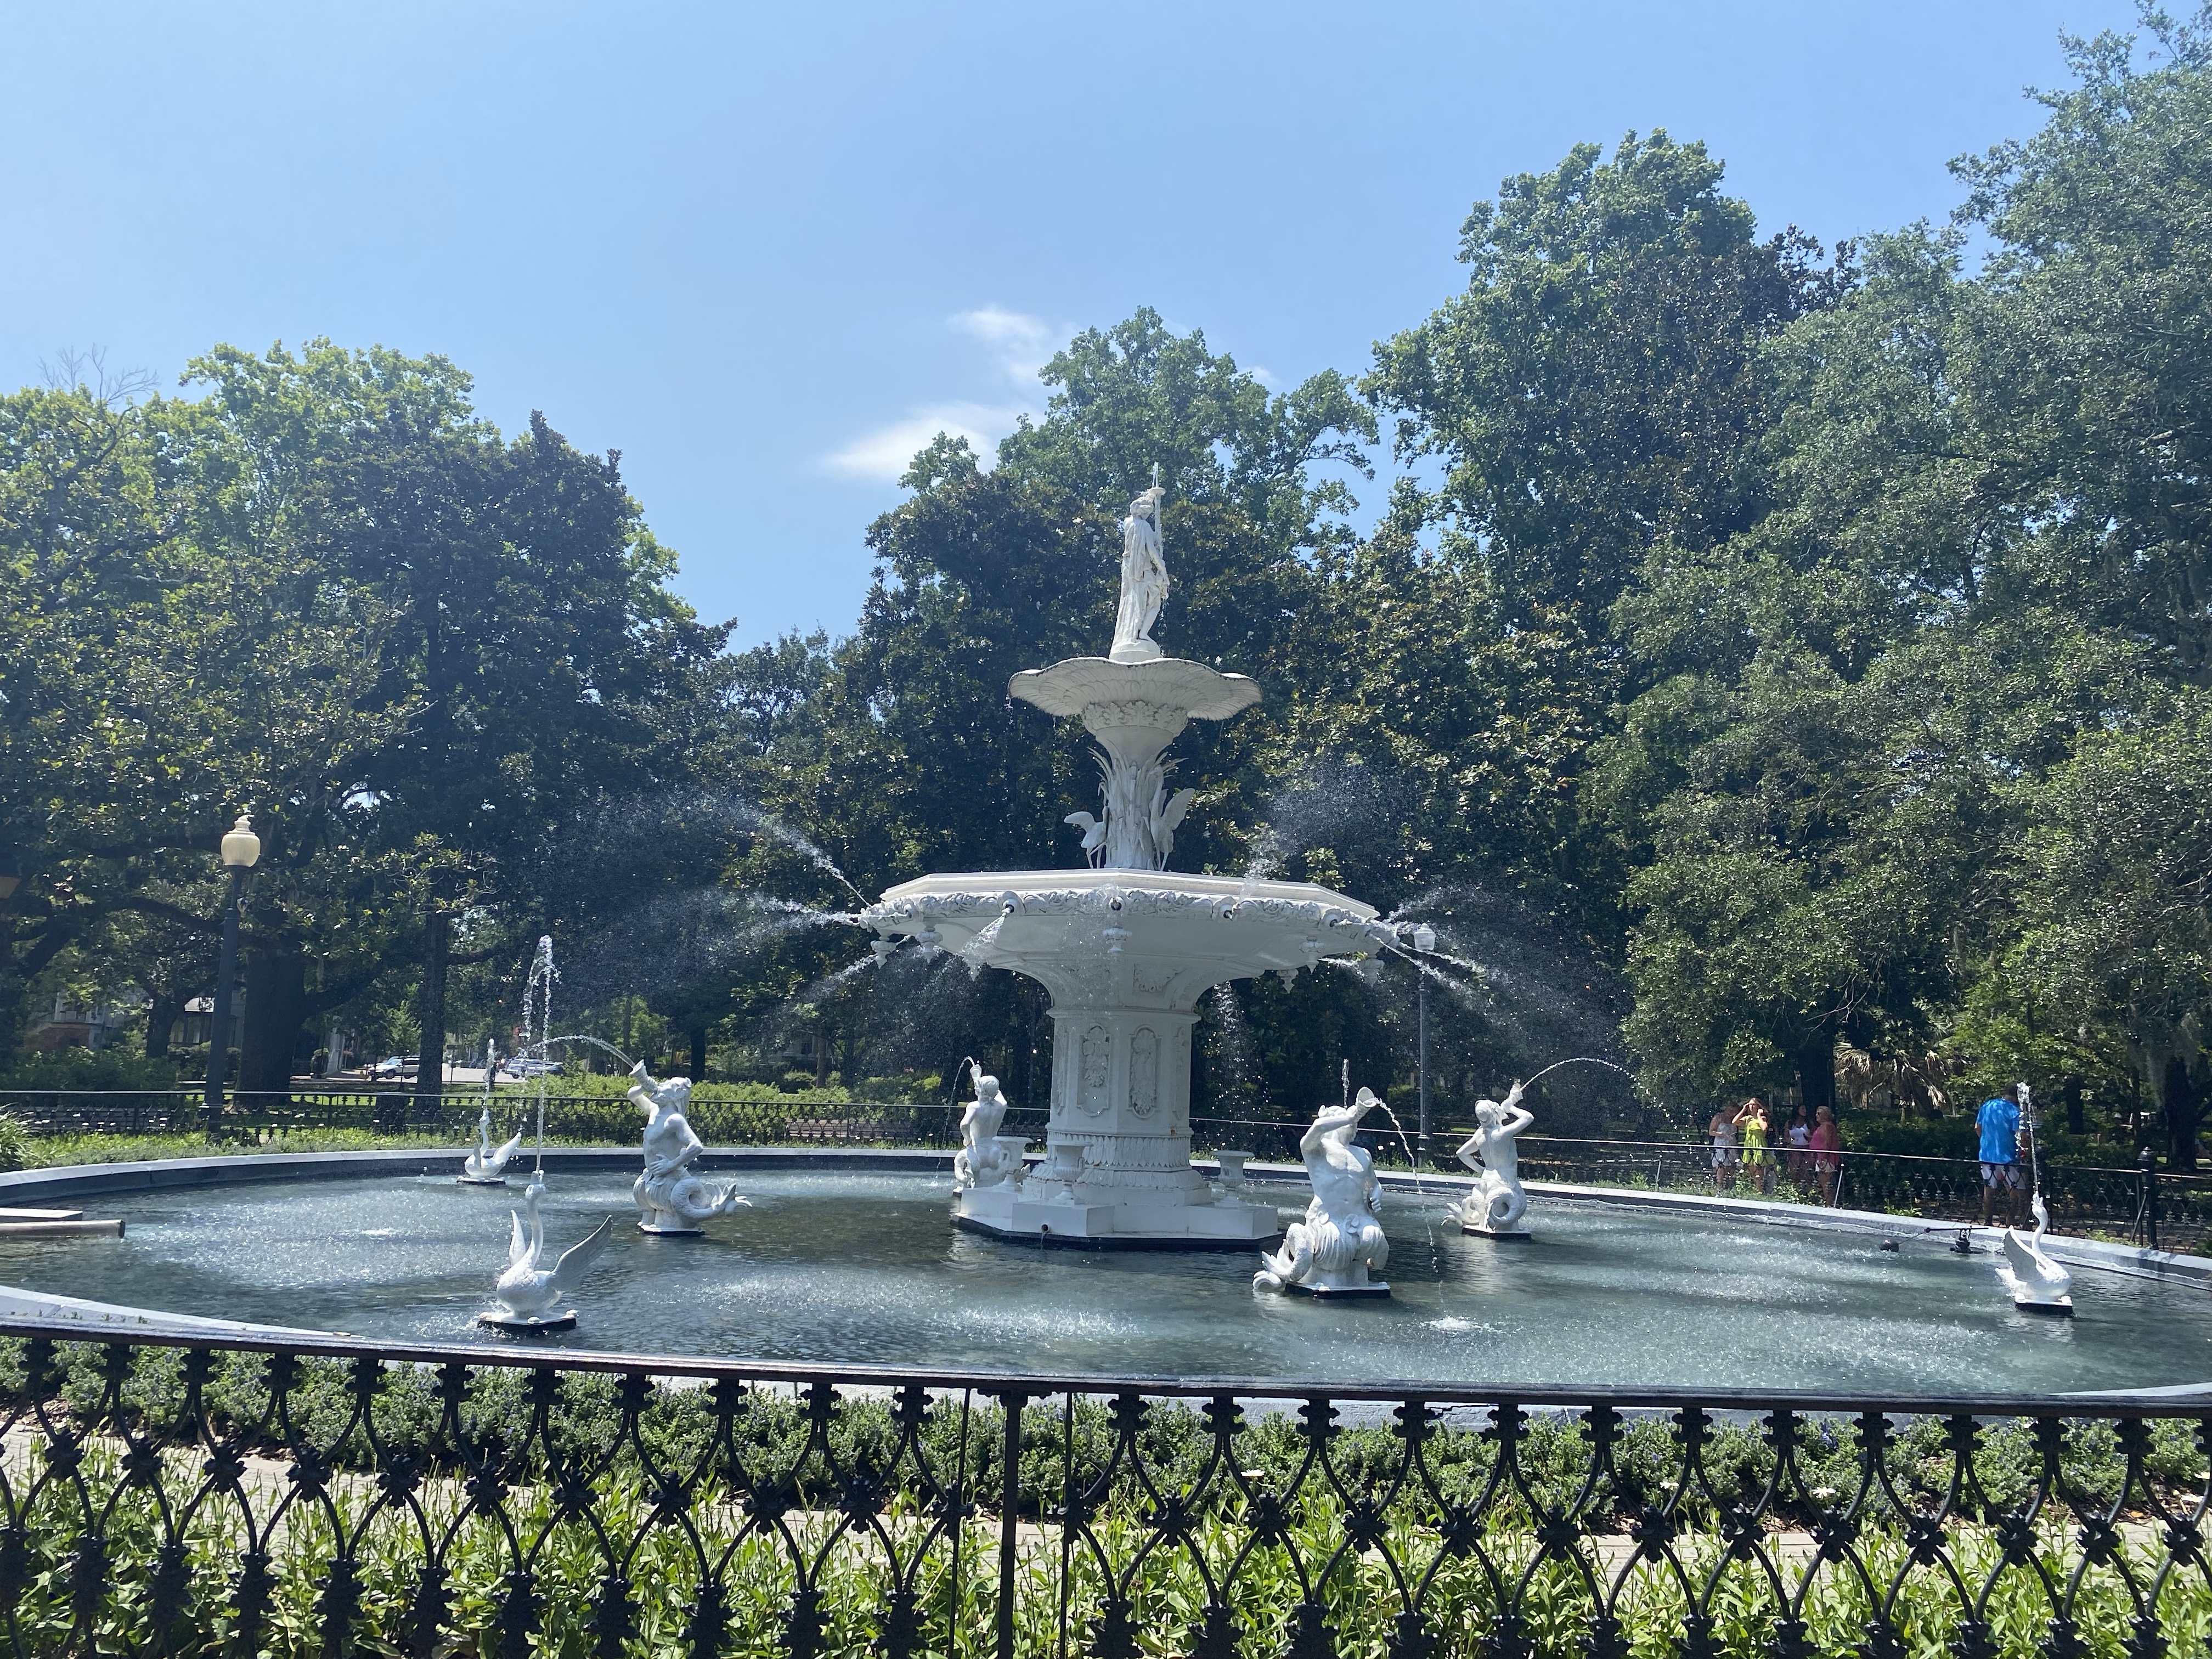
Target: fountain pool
pixel 861 1269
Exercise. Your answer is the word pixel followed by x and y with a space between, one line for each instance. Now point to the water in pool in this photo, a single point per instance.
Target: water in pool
pixel 866 1268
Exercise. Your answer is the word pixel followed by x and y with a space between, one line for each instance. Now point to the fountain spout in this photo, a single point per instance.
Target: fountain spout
pixel 529 1292
pixel 487 1165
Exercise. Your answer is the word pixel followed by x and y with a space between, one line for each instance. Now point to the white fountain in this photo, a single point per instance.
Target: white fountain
pixel 487 1165
pixel 2037 1284
pixel 1126 948
pixel 672 1202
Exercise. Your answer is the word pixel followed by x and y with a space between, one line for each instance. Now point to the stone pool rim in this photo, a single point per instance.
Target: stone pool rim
pixel 25 1187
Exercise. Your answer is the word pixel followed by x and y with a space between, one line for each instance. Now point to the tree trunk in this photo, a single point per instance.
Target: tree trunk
pixel 822 1057
pixel 275 1000
pixel 2070 1093
pixel 1816 1071
pixel 698 1054
pixel 430 1012
pixel 2182 1109
pixel 161 1019
pixel 13 988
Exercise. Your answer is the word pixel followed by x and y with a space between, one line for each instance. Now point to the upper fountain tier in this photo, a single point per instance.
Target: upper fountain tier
pixel 1135 710
pixel 1135 701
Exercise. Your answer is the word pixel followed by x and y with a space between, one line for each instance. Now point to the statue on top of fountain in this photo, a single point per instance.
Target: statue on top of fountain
pixel 1332 1251
pixel 1144 579
pixel 672 1199
pixel 986 1158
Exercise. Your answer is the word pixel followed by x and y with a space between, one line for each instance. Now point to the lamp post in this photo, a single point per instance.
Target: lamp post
pixel 1425 941
pixel 241 851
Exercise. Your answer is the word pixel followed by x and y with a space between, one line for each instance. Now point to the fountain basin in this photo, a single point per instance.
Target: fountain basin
pixel 854 1266
pixel 1125 954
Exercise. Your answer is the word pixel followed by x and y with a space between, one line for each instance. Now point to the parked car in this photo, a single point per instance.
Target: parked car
pixel 395 1066
pixel 515 1067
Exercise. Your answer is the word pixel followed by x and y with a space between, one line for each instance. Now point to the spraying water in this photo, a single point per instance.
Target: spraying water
pixel 596 1043
pixel 537 1015
pixel 1412 1162
pixel 977 948
pixel 775 829
pixel 1583 1060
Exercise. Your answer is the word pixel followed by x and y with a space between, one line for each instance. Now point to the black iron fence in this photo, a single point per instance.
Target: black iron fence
pixel 253 1116
pixel 2140 1204
pixel 170 1495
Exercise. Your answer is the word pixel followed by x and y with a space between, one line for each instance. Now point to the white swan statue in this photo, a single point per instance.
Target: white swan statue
pixel 487 1165
pixel 2037 1284
pixel 528 1293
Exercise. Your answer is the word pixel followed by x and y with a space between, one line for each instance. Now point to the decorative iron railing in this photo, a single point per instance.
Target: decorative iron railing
pixel 172 1495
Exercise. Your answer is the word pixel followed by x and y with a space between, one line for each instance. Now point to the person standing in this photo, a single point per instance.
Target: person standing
pixel 1827 1146
pixel 1800 1133
pixel 1722 1130
pixel 1998 1121
pixel 1758 1162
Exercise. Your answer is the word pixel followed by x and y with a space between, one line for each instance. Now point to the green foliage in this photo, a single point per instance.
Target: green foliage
pixel 1818 640
pixel 89 1068
pixel 769 1481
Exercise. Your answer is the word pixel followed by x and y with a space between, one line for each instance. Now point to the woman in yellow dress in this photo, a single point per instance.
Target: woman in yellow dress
pixel 1757 1164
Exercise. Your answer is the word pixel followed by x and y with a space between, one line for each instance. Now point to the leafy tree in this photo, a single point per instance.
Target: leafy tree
pixel 2117 899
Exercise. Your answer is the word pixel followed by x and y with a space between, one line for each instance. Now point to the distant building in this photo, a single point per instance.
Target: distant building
pixel 67 1025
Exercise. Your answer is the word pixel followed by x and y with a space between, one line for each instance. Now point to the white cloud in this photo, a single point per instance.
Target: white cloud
pixel 883 454
pixel 1016 344
pixel 1021 343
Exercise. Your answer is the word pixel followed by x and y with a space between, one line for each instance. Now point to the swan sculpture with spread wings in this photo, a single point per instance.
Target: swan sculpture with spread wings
pixel 528 1291
pixel 487 1165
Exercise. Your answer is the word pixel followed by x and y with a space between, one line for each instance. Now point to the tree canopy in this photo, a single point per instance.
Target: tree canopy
pixel 1766 664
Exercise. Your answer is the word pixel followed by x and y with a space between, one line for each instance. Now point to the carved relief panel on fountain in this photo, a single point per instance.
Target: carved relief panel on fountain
pixel 1145 1073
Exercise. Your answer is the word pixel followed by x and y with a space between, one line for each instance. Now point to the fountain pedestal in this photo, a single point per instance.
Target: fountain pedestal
pixel 1125 954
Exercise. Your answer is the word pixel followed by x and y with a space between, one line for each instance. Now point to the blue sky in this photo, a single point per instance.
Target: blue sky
pixel 766 252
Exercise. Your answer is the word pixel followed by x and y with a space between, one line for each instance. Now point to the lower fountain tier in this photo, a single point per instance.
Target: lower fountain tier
pixel 1090 1219
pixel 1125 954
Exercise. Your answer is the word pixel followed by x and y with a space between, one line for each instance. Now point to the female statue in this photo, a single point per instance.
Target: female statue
pixel 672 1199
pixel 1144 581
pixel 1497 1202
pixel 1333 1248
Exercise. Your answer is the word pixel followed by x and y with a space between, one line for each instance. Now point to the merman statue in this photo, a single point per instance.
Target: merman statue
pixel 673 1201
pixel 986 1158
pixel 1340 1244
pixel 487 1165
pixel 1495 1206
